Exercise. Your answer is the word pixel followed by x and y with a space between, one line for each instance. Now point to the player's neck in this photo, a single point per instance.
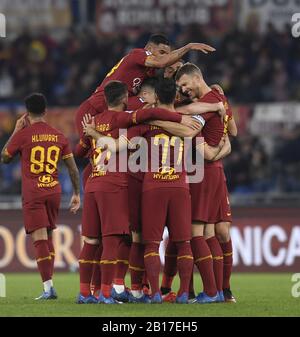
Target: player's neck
pixel 34 120
pixel 204 89
pixel 169 107
pixel 119 107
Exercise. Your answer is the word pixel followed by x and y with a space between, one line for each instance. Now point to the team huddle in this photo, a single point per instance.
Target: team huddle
pixel 136 129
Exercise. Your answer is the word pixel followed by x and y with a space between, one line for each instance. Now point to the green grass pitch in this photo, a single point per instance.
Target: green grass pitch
pixel 257 295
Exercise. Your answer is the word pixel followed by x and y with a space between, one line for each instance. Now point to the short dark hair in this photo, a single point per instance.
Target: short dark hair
pixel 36 103
pixel 187 69
pixel 159 39
pixel 114 92
pixel 149 83
pixel 166 90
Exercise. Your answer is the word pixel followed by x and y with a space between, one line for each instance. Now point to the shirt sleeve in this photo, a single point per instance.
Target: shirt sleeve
pixel 139 56
pixel 14 145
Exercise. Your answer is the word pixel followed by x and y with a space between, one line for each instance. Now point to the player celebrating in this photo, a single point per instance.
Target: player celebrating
pixel 41 147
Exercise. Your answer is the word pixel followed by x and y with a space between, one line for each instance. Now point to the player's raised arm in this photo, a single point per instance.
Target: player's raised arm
pixel 12 145
pixel 162 61
pixel 198 108
pixel 74 176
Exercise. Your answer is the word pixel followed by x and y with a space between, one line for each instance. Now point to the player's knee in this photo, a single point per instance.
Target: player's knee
pixel 137 237
pixel 197 229
pixel 223 231
pixel 91 241
pixel 209 231
pixel 39 234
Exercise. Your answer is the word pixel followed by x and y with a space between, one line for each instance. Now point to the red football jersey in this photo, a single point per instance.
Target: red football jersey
pixel 40 147
pixel 130 69
pixel 214 128
pixel 135 103
pixel 165 157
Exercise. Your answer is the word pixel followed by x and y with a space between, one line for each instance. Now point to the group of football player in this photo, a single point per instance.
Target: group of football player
pixel 152 94
pixel 149 95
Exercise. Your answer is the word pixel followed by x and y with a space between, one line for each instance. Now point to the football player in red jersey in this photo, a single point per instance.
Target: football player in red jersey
pixel 207 200
pixel 41 147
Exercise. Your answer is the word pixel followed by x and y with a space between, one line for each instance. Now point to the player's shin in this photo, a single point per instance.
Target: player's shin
pixel 52 252
pixel 86 264
pixel 137 268
pixel 228 261
pixel 217 255
pixel 108 262
pixel 204 262
pixel 96 276
pixel 44 263
pixel 152 265
pixel 122 264
pixel 185 265
pixel 170 267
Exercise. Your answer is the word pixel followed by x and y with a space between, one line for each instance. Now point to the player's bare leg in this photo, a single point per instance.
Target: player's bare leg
pixel 204 262
pixel 137 270
pixel 217 255
pixel 44 262
pixel 86 265
pixel 223 234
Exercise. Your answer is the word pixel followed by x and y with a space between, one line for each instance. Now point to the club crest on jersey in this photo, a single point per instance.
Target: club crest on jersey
pixel 46 179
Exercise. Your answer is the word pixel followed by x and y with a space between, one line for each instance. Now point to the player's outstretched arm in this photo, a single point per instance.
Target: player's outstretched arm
pixel 182 129
pixel 74 176
pixel 168 59
pixel 198 108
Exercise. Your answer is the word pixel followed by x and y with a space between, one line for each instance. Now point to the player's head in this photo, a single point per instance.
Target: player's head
pixel 189 78
pixel 116 94
pixel 35 104
pixel 147 90
pixel 158 44
pixel 165 91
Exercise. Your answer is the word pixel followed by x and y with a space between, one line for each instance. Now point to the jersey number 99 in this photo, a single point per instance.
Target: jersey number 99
pixel 44 160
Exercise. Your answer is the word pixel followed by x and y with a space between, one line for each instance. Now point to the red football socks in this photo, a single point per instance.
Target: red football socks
pixel 96 275
pixel 204 262
pixel 152 264
pixel 108 262
pixel 170 268
pixel 43 259
pixel 86 264
pixel 52 253
pixel 136 265
pixel 185 263
pixel 228 261
pixel 122 263
pixel 217 255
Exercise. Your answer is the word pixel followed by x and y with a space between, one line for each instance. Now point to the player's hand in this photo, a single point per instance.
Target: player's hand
pixel 88 124
pixel 21 123
pixel 190 122
pixel 222 142
pixel 74 203
pixel 205 48
pixel 221 111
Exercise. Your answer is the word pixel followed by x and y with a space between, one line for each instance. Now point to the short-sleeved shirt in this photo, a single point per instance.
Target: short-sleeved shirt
pixel 41 147
pixel 165 157
pixel 130 70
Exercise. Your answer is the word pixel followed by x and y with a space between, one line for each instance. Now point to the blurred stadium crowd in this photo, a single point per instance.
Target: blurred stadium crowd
pixel 250 66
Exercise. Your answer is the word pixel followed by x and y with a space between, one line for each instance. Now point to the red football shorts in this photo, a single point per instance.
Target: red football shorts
pixel 41 212
pixel 225 209
pixel 207 196
pixel 171 207
pixel 87 171
pixel 135 189
pixel 105 213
